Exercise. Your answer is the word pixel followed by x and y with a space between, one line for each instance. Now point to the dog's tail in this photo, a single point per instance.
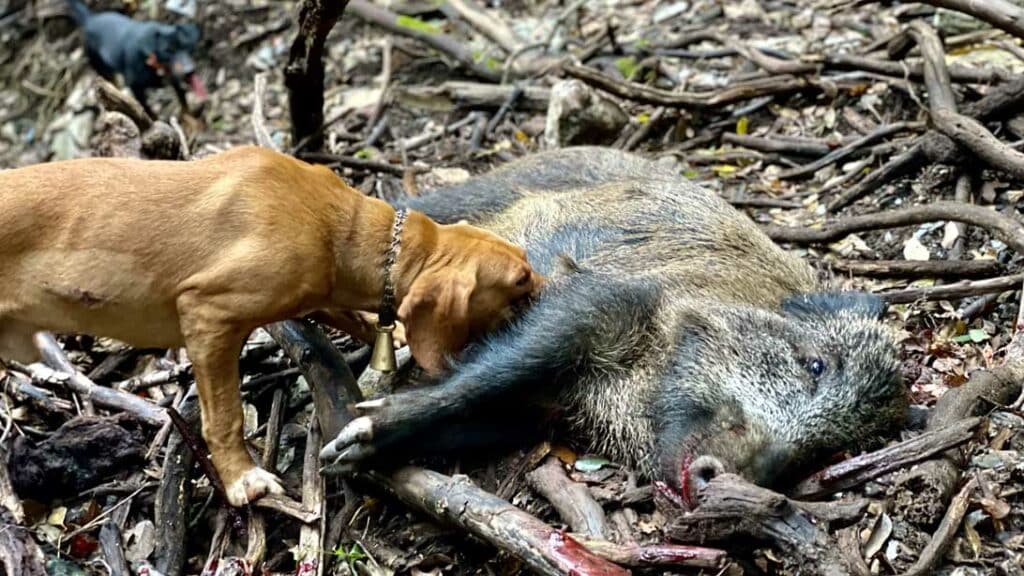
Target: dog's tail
pixel 79 11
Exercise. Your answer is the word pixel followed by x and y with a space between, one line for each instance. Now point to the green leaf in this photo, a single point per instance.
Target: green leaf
pixel 364 154
pixel 413 23
pixel 627 66
pixel 691 173
pixel 742 125
pixel 590 464
pixel 962 339
pixel 977 335
pixel 643 118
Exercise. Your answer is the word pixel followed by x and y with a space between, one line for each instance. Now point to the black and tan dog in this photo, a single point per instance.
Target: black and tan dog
pixel 146 54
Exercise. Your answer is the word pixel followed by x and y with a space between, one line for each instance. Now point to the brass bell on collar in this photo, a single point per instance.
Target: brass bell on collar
pixel 383 359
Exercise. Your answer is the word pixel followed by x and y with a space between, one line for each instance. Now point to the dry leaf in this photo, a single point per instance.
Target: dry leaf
pixel 914 250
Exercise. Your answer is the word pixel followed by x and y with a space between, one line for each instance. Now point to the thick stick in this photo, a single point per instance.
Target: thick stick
pixel 572 500
pixel 953 291
pixel 443 43
pixel 657 555
pixel 730 507
pixel 999 13
pixel 102 396
pixel 934 146
pixel 737 92
pixel 304 73
pixel 1008 230
pixel 330 379
pixel 860 469
pixel 174 496
pixel 955 269
pixel 456 500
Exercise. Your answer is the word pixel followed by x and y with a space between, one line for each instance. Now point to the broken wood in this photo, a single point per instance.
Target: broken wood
pixel 443 43
pixel 304 73
pixel 931 483
pixel 75 381
pixel 456 500
pixel 730 94
pixel 1006 229
pixel 954 291
pixel 729 507
pixel 571 500
pixel 860 469
pixel 955 269
pixel 656 555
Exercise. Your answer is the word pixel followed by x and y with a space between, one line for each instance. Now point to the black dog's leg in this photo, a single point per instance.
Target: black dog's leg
pixel 589 323
pixel 140 95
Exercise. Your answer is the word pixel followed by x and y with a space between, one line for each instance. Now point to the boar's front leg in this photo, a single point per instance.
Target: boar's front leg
pixel 588 323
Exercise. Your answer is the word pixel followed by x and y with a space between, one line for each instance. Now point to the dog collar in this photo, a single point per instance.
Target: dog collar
pixel 386 315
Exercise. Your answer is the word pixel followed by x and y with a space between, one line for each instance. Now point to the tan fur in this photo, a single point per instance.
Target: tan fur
pixel 198 254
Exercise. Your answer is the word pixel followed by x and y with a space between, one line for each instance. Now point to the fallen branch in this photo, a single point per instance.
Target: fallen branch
pixel 443 43
pixel 730 507
pixel 1006 229
pixel 849 149
pixel 472 95
pixel 955 269
pixel 333 160
pixel 943 537
pixel 1002 14
pixel 114 100
pixel 456 500
pixel 934 146
pixel 491 27
pixel 912 70
pixel 975 137
pixel 573 502
pixel 102 396
pixel 779 144
pixel 259 123
pixel 304 73
pixel 656 555
pixel 724 96
pixel 954 291
pixel 860 469
pixel 329 376
pixel 930 484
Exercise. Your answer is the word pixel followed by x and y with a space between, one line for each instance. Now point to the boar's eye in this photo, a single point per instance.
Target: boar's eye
pixel 816 367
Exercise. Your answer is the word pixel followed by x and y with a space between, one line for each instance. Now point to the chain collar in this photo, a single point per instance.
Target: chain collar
pixel 386 315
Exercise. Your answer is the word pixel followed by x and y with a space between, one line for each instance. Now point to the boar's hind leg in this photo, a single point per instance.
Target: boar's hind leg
pixel 590 323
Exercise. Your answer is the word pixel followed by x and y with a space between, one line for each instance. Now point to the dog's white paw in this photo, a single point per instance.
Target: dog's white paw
pixel 253 485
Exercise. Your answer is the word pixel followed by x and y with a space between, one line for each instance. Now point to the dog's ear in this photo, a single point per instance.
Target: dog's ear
pixel 187 36
pixel 435 313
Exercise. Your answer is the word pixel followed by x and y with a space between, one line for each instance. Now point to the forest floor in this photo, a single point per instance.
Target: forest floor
pixel 838 126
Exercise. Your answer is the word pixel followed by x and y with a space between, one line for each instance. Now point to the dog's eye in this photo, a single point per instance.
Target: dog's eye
pixel 816 367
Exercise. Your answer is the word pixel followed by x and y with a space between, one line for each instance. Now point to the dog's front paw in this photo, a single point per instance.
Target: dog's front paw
pixel 251 486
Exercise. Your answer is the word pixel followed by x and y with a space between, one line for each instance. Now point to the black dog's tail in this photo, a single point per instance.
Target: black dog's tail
pixel 79 11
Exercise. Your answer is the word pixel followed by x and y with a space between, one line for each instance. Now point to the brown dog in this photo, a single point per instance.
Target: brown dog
pixel 165 254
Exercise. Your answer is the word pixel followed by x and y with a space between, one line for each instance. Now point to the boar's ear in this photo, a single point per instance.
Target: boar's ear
pixel 830 303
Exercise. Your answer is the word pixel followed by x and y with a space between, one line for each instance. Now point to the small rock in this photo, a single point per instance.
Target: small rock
pixel 116 136
pixel 996 459
pixel 161 142
pixel 80 455
pixel 140 541
pixel 579 115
